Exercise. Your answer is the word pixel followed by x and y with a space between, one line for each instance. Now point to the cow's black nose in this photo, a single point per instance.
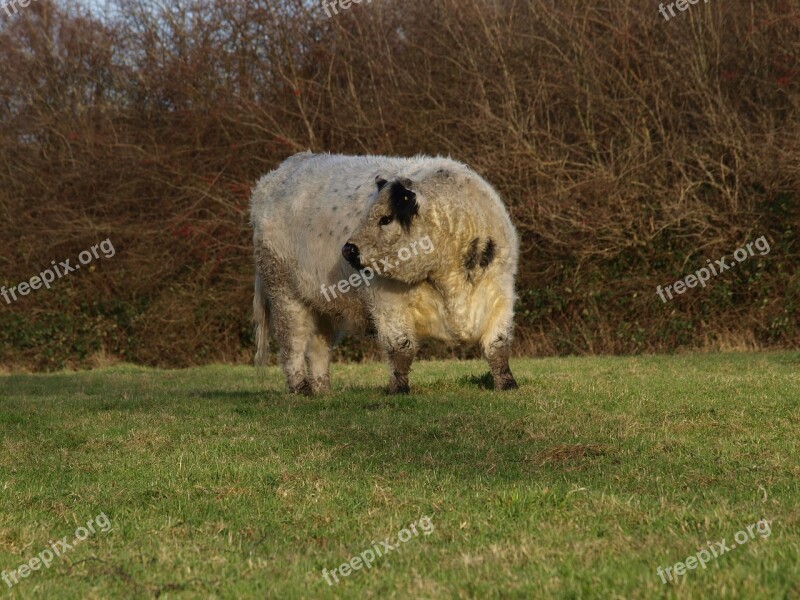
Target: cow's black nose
pixel 351 255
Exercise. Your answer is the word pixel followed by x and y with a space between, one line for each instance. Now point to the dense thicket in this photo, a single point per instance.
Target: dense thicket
pixel 629 149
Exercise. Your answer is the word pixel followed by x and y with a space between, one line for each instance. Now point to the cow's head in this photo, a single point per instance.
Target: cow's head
pixel 395 234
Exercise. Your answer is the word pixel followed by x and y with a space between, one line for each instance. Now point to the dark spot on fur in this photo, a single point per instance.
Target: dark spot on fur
pixel 330 233
pixel 335 208
pixel 488 253
pixel 403 203
pixel 471 259
pixel 380 182
pixel 372 328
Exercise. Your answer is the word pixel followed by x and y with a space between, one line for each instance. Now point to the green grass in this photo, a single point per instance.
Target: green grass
pixel 578 485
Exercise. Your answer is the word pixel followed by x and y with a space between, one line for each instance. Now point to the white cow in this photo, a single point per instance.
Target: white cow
pixel 410 248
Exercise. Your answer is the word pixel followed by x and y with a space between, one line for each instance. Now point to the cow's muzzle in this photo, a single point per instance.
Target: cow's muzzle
pixel 352 256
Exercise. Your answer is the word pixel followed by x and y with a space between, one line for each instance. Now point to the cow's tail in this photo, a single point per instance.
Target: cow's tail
pixel 261 323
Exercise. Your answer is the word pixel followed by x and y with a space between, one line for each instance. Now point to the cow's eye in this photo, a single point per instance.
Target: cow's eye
pixel 385 220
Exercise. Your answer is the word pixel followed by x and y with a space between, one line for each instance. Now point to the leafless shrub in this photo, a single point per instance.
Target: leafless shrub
pixel 629 149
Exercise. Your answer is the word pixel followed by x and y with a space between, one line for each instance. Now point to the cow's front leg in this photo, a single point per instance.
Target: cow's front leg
pixel 400 350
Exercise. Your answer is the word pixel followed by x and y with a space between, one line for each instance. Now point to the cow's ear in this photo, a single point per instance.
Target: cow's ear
pixel 380 182
pixel 403 202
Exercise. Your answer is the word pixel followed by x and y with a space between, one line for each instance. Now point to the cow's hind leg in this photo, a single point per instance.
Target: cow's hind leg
pixel 497 354
pixel 496 345
pixel 318 355
pixel 294 324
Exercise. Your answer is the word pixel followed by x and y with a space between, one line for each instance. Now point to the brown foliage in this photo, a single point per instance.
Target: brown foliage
pixel 629 149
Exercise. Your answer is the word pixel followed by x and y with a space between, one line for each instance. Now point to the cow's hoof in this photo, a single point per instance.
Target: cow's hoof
pixel 302 389
pixel 320 385
pixel 508 384
pixel 398 389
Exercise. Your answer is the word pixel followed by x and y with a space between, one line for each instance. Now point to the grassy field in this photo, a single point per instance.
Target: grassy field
pixel 578 485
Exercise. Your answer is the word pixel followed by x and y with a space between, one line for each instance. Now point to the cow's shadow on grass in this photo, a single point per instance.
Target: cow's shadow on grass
pixel 250 396
pixel 433 431
pixel 485 381
pixel 40 384
pixel 99 393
